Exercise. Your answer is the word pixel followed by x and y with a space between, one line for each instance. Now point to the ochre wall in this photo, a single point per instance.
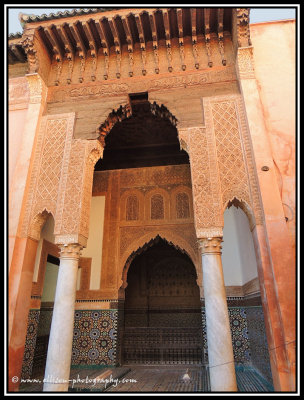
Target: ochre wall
pixel 16 123
pixel 275 69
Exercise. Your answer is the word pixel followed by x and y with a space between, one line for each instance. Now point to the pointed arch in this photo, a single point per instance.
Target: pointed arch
pixel 146 241
pixel 126 111
pixel 37 223
pixel 244 206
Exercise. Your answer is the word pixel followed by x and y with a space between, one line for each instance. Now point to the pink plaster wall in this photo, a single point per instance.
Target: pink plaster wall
pixel 16 124
pixel 274 58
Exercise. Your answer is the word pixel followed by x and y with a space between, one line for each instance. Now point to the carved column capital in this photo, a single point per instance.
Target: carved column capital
pixel 70 251
pixel 245 63
pixel 210 245
pixel 67 239
pixel 37 88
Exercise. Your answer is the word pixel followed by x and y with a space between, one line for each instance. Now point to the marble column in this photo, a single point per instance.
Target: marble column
pixel 220 352
pixel 59 354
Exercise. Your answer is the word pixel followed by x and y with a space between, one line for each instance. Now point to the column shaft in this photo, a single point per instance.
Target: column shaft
pixel 220 351
pixel 58 362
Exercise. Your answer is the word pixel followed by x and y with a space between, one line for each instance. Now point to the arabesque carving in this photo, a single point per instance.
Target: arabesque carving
pixel 76 93
pixel 206 194
pixel 225 117
pixel 78 190
pixel 54 134
pixel 245 63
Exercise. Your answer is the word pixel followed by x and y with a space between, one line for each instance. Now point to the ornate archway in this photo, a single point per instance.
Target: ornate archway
pixel 144 242
pixel 162 310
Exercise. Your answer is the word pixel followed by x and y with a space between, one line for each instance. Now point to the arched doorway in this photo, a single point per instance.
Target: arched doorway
pixel 162 315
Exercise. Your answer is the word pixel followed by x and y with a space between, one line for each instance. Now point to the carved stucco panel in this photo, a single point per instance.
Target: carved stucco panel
pixel 226 119
pixel 250 163
pixel 74 212
pixel 52 144
pixel 245 63
pixel 73 190
pixel 204 175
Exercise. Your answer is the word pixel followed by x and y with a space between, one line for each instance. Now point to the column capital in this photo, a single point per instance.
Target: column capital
pixel 66 239
pixel 70 250
pixel 37 88
pixel 211 245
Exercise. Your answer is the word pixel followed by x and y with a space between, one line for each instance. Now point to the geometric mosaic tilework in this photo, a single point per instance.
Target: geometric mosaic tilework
pixel 258 341
pixel 30 344
pixel 239 333
pixel 95 337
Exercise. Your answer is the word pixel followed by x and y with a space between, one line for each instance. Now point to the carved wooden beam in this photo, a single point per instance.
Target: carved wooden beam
pixel 69 50
pixel 80 47
pixel 194 37
pixel 127 30
pixel 91 40
pixel 105 47
pixel 11 58
pixel 58 51
pixel 155 40
pixel 142 42
pixel 117 45
pixel 93 48
pixel 59 55
pixel 207 35
pixel 179 13
pixel 168 38
pixel 68 46
pixel 220 33
pixel 17 53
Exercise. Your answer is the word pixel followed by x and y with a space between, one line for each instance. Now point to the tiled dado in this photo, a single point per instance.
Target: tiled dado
pixel 239 332
pixel 95 337
pixel 95 340
pixel 30 343
pixel 258 341
pixel 248 338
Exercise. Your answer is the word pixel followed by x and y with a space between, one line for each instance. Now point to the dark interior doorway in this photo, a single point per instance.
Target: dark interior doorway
pixel 162 323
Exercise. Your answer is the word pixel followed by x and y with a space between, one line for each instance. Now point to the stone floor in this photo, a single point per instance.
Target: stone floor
pixel 163 379
pixel 151 379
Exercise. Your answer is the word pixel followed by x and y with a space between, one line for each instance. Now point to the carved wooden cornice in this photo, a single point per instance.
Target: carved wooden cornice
pixel 117 32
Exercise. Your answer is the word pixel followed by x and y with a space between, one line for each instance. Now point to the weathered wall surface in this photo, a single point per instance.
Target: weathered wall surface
pixel 274 60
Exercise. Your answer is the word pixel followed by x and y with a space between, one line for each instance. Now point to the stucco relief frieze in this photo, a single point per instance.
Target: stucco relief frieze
pixel 92 91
